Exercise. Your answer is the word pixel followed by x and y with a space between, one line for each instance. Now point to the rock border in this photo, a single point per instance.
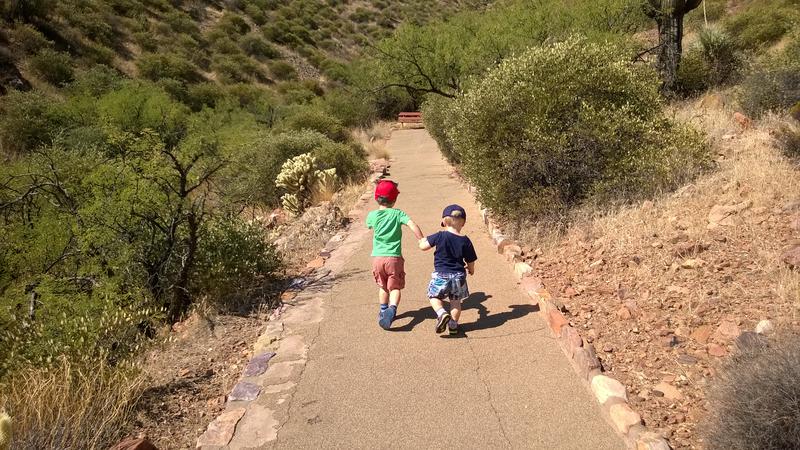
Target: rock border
pixel 609 393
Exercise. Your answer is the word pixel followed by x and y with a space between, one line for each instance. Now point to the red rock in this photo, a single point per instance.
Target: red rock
pixel 570 292
pixel 716 350
pixel 669 341
pixel 624 313
pixel 288 296
pixel 556 320
pixel 727 331
pixel 743 121
pixel 701 334
pixel 531 285
pixel 134 444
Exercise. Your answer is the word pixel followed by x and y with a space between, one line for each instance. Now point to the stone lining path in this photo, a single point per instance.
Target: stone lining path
pixel 339 381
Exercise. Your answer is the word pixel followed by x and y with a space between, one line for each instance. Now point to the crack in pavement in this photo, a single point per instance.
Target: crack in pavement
pixel 488 392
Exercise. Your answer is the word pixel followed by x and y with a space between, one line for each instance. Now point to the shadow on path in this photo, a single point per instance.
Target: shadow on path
pixel 485 320
pixel 474 301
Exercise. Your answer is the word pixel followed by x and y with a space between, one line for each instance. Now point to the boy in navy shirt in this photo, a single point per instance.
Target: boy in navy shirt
pixel 453 258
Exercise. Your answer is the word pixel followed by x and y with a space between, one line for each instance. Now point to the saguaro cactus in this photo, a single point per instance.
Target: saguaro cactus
pixel 668 14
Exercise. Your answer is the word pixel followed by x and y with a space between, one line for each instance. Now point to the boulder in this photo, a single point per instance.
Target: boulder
pixel 670 392
pixel 623 417
pixel 605 387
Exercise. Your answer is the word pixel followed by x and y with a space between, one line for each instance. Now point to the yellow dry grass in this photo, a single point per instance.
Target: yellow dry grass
pixel 70 406
pixel 374 140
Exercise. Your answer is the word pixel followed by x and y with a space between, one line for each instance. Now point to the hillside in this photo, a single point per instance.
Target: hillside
pixel 181 43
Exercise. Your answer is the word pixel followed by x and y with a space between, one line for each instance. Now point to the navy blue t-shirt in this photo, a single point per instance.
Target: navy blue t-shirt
pixel 452 252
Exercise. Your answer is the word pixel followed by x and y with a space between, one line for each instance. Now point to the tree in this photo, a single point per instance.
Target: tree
pixel 668 14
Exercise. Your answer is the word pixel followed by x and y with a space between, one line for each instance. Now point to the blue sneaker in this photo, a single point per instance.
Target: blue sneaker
pixel 386 317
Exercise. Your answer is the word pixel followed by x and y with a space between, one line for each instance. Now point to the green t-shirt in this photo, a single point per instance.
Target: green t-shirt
pixel 386 225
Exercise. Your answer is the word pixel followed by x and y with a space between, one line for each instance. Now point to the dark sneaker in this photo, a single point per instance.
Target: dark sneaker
pixel 453 331
pixel 441 322
pixel 386 317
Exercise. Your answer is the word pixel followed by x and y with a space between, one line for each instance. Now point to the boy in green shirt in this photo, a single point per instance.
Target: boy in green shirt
pixel 387 258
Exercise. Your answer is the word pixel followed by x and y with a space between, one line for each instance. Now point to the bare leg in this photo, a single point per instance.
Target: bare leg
pixel 394 297
pixel 436 304
pixel 383 297
pixel 455 309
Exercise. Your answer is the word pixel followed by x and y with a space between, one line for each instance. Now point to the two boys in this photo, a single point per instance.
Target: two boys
pixel 454 257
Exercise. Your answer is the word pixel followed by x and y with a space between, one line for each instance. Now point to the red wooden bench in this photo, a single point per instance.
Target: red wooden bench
pixel 409 117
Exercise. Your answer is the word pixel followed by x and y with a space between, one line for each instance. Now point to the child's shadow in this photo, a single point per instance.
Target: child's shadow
pixel 417 317
pixel 474 301
pixel 485 320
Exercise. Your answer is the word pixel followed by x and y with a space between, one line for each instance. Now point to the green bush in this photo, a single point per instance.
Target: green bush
pixel 254 45
pixel 760 25
pixel 282 70
pixel 774 83
pixel 353 109
pixel 349 160
pixel 788 137
pixel 754 399
pixel 437 113
pixel 27 39
pixel 155 66
pixel 566 123
pixel 713 61
pixel 235 264
pixel 27 120
pixel 236 68
pixel 96 81
pixel 52 66
pixel 310 118
pixel 146 41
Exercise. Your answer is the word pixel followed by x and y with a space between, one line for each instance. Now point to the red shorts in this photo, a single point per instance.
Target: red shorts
pixel 389 272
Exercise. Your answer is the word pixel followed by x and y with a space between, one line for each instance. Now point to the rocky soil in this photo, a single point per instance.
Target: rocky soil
pixel 665 290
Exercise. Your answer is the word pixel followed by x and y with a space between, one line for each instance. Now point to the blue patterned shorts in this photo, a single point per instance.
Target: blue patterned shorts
pixel 452 286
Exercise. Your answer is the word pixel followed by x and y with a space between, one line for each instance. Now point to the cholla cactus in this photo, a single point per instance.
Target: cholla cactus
pixel 5 431
pixel 327 180
pixel 301 179
pixel 292 204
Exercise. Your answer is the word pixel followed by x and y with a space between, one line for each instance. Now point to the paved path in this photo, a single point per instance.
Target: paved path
pixel 354 385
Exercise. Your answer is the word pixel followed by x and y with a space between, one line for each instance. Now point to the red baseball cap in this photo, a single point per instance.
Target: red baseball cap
pixel 388 189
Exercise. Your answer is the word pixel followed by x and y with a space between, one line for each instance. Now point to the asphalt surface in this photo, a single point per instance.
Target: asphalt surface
pixel 504 384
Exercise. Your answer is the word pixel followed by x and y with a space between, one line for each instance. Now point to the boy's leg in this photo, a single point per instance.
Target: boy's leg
pixel 383 297
pixel 455 309
pixel 394 297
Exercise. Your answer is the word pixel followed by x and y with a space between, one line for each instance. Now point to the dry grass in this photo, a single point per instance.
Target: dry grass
pixel 70 406
pixel 374 140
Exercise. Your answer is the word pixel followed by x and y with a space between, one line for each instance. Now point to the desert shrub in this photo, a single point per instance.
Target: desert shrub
pixel 353 109
pixel 26 9
pixel 565 123
pixel 713 61
pixel 225 46
pixel 155 66
pixel 236 68
pixel 202 95
pixel 236 262
pixel 760 25
pixel 27 120
pixel 296 93
pixel 311 118
pixel 282 70
pixel 232 24
pixel 755 399
pixel 788 138
pixel 27 39
pixel 436 113
pixel 255 45
pixel 96 81
pixel 256 14
pixel 181 23
pixel 774 83
pixel 264 158
pixel 146 40
pixel 70 405
pixel 52 66
pixel 349 160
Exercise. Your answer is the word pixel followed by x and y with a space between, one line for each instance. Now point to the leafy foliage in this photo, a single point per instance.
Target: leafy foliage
pixel 579 122
pixel 773 84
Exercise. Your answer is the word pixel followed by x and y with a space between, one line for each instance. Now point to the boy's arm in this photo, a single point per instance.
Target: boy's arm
pixel 424 245
pixel 415 229
pixel 471 268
